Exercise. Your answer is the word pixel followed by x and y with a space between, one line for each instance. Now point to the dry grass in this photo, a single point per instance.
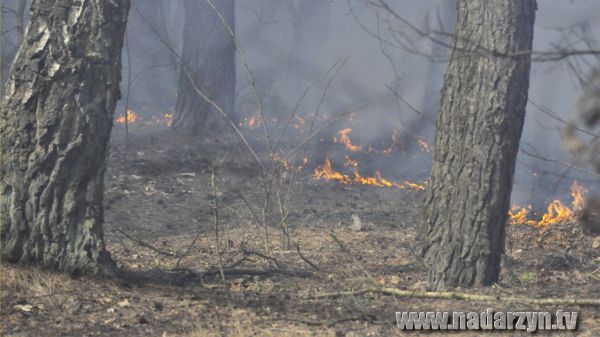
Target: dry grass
pixel 32 282
pixel 243 323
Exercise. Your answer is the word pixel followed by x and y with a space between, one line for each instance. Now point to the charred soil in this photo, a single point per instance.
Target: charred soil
pixel 159 225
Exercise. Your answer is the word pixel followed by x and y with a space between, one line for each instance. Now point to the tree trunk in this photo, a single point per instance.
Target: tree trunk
pixel 482 110
pixel 310 36
pixel 155 70
pixel 443 21
pixel 54 133
pixel 209 58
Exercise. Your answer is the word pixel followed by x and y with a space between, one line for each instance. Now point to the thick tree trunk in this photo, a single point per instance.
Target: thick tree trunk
pixel 54 133
pixel 482 110
pixel 209 58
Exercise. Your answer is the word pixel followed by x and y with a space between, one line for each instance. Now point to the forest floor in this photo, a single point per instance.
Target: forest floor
pixel 158 202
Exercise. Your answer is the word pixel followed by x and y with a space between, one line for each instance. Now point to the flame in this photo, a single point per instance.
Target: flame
pixel 131 118
pixel 395 141
pixel 346 140
pixel 302 164
pixel 328 173
pixel 350 162
pixel 299 122
pixel 251 123
pixel 424 145
pixel 578 194
pixel 556 211
pixel 169 119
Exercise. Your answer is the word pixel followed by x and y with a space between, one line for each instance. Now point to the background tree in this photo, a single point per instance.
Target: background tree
pixel 54 133
pixel 479 124
pixel 209 59
pixel 441 20
pixel 13 19
pixel 310 29
pixel 586 145
pixel 154 70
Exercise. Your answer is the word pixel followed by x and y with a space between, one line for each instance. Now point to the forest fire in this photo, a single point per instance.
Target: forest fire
pixel 131 118
pixel 346 140
pixel 250 123
pixel 169 119
pixel 326 172
pixel 556 211
pixel 424 145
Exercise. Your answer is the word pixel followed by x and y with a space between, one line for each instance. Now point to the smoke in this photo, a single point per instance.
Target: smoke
pixel 291 44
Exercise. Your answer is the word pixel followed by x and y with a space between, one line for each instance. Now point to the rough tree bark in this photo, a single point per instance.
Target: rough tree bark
pixel 54 132
pixel 209 57
pixel 479 124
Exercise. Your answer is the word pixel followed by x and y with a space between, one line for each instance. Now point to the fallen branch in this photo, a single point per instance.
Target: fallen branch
pixel 145 244
pixel 314 266
pixel 451 295
pixel 240 272
pixel 266 257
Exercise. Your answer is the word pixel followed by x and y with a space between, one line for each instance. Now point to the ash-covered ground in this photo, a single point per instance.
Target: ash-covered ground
pixel 160 222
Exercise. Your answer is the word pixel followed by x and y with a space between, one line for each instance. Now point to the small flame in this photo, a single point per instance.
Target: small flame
pixel 395 141
pixel 328 173
pixel 556 211
pixel 424 145
pixel 299 122
pixel 169 119
pixel 346 140
pixel 578 193
pixel 350 162
pixel 302 164
pixel 131 118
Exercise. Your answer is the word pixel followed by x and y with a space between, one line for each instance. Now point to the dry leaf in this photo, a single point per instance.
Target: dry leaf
pixel 23 307
pixel 356 223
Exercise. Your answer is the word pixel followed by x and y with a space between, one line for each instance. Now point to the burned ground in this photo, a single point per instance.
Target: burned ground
pixel 158 200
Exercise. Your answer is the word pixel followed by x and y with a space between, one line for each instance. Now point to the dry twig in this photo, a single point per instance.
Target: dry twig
pixel 451 295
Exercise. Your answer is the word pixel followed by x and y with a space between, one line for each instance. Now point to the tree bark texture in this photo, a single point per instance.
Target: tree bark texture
pixel 479 125
pixel 209 59
pixel 54 132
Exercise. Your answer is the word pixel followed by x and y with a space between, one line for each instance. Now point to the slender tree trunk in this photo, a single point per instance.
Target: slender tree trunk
pixel 209 59
pixel 482 110
pixel 54 133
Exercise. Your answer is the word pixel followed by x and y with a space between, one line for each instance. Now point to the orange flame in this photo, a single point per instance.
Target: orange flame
pixel 299 122
pixel 169 118
pixel 346 140
pixel 424 145
pixel 131 118
pixel 328 173
pixel 556 211
pixel 350 162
